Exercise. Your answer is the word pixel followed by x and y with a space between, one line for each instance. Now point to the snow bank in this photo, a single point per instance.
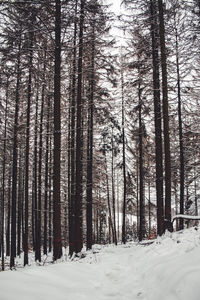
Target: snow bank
pixel 168 269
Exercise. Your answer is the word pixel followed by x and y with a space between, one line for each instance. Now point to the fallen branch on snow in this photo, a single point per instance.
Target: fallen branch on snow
pixel 186 217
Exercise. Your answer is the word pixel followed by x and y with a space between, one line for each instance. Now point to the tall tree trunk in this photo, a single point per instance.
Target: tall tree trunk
pixel 73 105
pixel 149 200
pixel 22 208
pixel 50 195
pixel 8 214
pixel 78 236
pixel 165 118
pixel 35 179
pixel 118 210
pixel 108 198
pixel 19 208
pixel 157 119
pixel 39 206
pixel 46 179
pixel 14 168
pixel 137 192
pixel 181 147
pixel 57 242
pixel 3 178
pixel 141 170
pixel 113 191
pixel 90 146
pixel 26 216
pixel 124 162
pixel 69 171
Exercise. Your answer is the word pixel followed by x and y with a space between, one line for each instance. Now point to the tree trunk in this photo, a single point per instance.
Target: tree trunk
pixel 35 179
pixel 57 242
pixel 19 208
pixel 149 200
pixel 46 179
pixel 90 147
pixel 141 171
pixel 14 168
pixel 78 237
pixel 181 147
pixel 157 119
pixel 38 251
pixel 165 116
pixel 72 144
pixel 26 216
pixel 50 195
pixel 113 192
pixel 108 198
pixel 3 178
pixel 124 163
pixel 8 215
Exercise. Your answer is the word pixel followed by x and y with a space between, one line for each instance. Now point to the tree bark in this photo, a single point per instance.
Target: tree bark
pixel 46 179
pixel 113 190
pixel 181 147
pixel 14 167
pixel 3 178
pixel 78 237
pixel 165 115
pixel 157 119
pixel 124 162
pixel 57 242
pixel 141 170
pixel 26 216
pixel 35 179
pixel 72 144
pixel 90 146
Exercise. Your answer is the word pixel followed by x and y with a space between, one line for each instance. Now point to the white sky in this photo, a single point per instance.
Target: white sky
pixel 117 9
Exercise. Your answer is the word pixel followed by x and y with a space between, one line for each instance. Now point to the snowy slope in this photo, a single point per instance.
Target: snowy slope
pixel 168 269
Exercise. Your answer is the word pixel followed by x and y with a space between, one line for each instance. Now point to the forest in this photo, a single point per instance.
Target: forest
pixel 99 125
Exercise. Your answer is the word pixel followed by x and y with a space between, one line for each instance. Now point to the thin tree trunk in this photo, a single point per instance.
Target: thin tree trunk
pixel 90 147
pixel 118 209
pixel 57 241
pixel 26 216
pixel 46 178
pixel 113 191
pixel 35 179
pixel 14 168
pixel 157 120
pixel 50 195
pixel 181 147
pixel 141 170
pixel 73 104
pixel 124 162
pixel 8 215
pixel 137 193
pixel 69 171
pixel 149 192
pixel 19 209
pixel 38 252
pixel 165 118
pixel 78 237
pixel 22 208
pixel 108 198
pixel 3 178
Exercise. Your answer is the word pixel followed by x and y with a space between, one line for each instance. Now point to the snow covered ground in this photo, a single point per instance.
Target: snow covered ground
pixel 168 269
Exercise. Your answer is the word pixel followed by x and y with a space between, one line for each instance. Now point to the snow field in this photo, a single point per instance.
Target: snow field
pixel 168 269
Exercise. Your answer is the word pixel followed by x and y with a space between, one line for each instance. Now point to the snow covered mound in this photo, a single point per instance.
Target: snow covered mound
pixel 168 269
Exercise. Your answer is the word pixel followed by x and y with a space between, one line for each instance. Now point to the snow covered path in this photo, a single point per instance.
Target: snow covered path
pixel 169 269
